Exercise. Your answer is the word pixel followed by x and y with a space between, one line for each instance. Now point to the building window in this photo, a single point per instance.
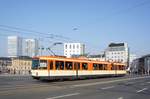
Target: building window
pixel 77 46
pixel 70 46
pixel 73 46
pixel 66 46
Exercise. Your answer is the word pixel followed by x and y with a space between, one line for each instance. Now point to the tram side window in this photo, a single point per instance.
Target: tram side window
pixel 121 67
pixel 84 66
pixel 95 66
pixel 68 66
pixel 100 66
pixel 76 66
pixel 59 65
pixel 124 67
pixel 105 66
pixel 115 67
pixel 51 65
pixel 43 64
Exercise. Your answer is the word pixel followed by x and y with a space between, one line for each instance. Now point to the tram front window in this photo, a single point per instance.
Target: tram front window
pixel 35 63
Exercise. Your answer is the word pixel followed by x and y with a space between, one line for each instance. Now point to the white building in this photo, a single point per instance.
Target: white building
pixel 117 52
pixel 14 46
pixel 132 57
pixel 73 49
pixel 31 47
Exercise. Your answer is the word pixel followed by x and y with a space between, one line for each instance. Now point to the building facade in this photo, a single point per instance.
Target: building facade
pixel 73 49
pixel 5 64
pixel 14 46
pixel 141 65
pixel 21 65
pixel 31 47
pixel 99 57
pixel 117 52
pixel 132 57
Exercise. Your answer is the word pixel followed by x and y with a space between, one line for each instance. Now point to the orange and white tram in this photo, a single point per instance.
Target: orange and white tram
pixel 54 67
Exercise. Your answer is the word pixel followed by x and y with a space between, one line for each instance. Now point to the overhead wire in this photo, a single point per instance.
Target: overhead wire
pixel 27 31
pixel 59 37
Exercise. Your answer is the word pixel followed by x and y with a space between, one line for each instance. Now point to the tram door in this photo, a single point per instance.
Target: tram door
pixel 51 67
pixel 77 68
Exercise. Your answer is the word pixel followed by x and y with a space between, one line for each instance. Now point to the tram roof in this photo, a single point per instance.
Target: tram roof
pixel 60 58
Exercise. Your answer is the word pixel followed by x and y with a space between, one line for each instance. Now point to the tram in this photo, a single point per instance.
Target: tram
pixel 56 67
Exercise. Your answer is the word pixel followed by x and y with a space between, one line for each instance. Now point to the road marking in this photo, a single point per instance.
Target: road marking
pixel 23 86
pixel 120 98
pixel 141 90
pixel 7 91
pixel 108 87
pixel 106 82
pixel 148 82
pixel 130 83
pixel 67 95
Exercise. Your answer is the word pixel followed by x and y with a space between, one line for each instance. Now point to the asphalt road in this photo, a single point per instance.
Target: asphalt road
pixel 24 87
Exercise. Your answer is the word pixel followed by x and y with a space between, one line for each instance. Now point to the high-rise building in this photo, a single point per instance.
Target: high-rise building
pixel 31 47
pixel 117 52
pixel 71 49
pixel 14 46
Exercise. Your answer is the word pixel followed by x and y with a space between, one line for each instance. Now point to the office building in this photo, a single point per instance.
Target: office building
pixel 74 49
pixel 14 46
pixel 117 52
pixel 31 47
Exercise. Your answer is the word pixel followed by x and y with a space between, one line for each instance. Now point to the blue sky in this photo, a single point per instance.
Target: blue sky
pixel 98 22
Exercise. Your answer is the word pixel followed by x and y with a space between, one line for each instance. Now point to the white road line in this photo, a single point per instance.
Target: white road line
pixel 130 83
pixel 108 87
pixel 141 90
pixel 67 95
pixel 120 98
pixel 148 82
pixel 106 82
